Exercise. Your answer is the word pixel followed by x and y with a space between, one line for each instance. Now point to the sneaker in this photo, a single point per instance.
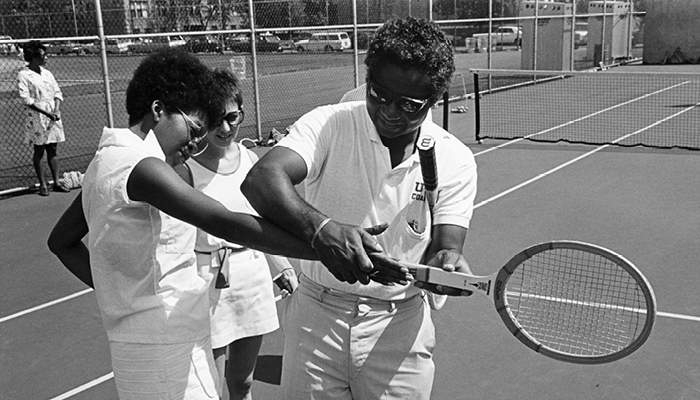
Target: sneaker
pixel 43 191
pixel 60 188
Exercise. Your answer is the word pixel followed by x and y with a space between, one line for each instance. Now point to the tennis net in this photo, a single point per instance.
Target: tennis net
pixel 597 107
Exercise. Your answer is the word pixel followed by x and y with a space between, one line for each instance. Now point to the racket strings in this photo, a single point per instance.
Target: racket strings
pixel 576 302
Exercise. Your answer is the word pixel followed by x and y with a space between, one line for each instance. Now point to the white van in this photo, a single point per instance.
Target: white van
pixel 324 41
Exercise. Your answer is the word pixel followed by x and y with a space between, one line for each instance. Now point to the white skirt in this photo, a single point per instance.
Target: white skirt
pixel 247 307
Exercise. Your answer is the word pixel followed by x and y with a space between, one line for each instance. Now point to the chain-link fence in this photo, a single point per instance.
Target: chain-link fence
pixel 306 53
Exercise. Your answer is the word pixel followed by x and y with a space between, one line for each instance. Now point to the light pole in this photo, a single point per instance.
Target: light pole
pixel 223 17
pixel 75 19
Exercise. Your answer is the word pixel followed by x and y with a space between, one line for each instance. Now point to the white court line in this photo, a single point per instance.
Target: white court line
pixel 39 307
pixel 581 157
pixel 84 387
pixel 538 177
pixel 678 316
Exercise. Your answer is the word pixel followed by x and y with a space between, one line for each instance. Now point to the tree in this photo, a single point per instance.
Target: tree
pixel 271 14
pixel 314 12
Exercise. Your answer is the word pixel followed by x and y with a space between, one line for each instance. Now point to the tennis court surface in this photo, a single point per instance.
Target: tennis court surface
pixel 640 202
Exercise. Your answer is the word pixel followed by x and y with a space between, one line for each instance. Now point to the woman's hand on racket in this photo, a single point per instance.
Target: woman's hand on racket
pixel 450 261
pixel 345 250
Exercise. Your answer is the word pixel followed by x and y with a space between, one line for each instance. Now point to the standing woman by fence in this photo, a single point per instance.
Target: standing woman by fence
pixel 43 128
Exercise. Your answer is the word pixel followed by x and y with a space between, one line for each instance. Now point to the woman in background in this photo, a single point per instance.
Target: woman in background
pixel 40 93
pixel 242 306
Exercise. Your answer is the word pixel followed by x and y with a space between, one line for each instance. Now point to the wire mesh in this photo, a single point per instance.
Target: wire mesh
pixel 297 65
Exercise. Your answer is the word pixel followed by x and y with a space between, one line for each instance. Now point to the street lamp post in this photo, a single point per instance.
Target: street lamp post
pixel 75 19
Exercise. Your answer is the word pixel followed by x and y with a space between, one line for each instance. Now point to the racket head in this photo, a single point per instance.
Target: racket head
pixel 575 302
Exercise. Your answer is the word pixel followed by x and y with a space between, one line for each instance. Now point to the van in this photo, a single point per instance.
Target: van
pixel 117 46
pixel 325 41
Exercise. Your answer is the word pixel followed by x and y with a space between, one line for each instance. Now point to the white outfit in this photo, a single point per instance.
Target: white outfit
pixel 246 308
pixel 152 299
pixel 370 341
pixel 360 94
pixel 42 90
pixel 351 180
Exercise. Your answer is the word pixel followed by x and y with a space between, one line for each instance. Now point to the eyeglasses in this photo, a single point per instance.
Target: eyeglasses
pixel 383 96
pixel 234 118
pixel 197 131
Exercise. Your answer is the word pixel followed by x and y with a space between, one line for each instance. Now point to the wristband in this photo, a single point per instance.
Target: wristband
pixel 318 230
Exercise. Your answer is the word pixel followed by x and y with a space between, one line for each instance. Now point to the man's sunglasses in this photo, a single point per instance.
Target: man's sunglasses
pixel 234 118
pixel 383 96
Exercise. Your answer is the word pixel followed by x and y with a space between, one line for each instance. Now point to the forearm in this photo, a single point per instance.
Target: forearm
pixel 445 238
pixel 260 234
pixel 77 260
pixel 274 197
pixel 37 109
pixel 278 262
pixel 65 241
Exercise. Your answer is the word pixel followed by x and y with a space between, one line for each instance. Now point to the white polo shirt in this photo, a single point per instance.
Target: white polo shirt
pixel 351 180
pixel 142 260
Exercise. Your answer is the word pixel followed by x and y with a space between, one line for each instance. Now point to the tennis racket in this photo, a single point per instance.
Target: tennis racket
pixel 428 168
pixel 567 300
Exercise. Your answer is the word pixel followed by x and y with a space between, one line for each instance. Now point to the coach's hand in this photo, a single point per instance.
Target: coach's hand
pixel 345 250
pixel 451 261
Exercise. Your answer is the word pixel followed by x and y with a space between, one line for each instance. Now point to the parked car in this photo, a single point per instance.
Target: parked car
pixel 203 44
pixel 148 45
pixel 284 44
pixel 63 48
pixel 241 44
pixel 503 35
pixel 112 46
pixel 581 34
pixel 324 41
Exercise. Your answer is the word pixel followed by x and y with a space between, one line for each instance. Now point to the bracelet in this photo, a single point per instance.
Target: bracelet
pixel 318 230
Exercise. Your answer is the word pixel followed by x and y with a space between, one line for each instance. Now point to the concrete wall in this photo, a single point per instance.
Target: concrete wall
pixel 669 25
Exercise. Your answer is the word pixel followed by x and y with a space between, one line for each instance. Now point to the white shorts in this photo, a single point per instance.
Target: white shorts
pixel 342 347
pixel 183 371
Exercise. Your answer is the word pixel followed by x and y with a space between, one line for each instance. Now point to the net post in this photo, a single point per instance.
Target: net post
pixel 477 99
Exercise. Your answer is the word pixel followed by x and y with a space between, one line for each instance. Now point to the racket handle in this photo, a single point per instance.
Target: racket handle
pixel 428 166
pixel 437 276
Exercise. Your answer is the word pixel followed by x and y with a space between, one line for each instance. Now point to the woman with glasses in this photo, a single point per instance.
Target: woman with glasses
pixel 140 216
pixel 241 300
pixel 43 128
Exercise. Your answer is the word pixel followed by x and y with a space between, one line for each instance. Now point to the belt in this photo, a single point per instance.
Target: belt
pixel 218 259
pixel 350 300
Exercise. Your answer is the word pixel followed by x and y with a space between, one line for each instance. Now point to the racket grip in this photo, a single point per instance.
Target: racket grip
pixel 438 276
pixel 428 164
